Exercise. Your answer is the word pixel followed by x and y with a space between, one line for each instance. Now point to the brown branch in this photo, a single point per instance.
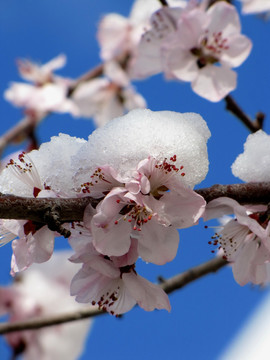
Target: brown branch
pixel 34 209
pixel 72 209
pixel 91 74
pixel 22 129
pixel 235 109
pixel 179 281
pixel 175 283
pixel 248 193
pixel 37 323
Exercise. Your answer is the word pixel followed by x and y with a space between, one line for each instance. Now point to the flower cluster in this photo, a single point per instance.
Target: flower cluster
pixel 195 45
pixel 47 92
pixel 144 187
pixel 38 174
pixel 107 97
pixel 186 40
pixel 137 217
pixel 136 173
pixel 245 240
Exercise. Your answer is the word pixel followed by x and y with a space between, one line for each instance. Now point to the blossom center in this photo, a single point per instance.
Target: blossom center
pixel 113 292
pixel 135 214
pixel 26 172
pixel 261 217
pixel 211 46
pixel 97 178
pixel 231 237
pixel 161 174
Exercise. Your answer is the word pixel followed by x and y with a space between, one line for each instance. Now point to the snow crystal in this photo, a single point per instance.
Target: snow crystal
pixel 50 164
pixel 127 140
pixel 54 162
pixel 254 163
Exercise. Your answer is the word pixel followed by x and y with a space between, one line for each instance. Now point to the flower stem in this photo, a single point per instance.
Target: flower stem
pixel 234 108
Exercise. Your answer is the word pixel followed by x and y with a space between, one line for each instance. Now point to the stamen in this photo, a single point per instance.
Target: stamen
pixel 25 170
pixel 98 177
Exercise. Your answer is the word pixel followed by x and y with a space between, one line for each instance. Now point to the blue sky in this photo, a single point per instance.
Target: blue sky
pixel 208 313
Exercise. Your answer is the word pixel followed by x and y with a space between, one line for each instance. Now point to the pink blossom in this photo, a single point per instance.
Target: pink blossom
pixel 47 93
pixel 245 240
pixel 112 282
pixel 149 60
pixel 37 294
pixel 40 74
pixel 145 211
pixel 199 47
pixel 125 141
pixel 118 35
pixel 41 173
pixel 101 182
pixel 108 97
pixel 255 6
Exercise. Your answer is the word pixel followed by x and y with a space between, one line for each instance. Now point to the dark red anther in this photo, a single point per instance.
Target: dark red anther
pixel 36 191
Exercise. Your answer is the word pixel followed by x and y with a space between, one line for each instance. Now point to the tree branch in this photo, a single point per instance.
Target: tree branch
pixel 247 193
pixel 37 323
pixel 235 109
pixel 34 209
pixel 91 74
pixel 72 209
pixel 179 281
pixel 175 283
pixel 22 129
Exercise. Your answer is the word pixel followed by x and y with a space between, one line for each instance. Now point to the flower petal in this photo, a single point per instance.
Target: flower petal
pixel 148 296
pixel 214 83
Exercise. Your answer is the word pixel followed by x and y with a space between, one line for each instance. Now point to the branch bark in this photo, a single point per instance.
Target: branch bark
pixel 37 323
pixel 175 283
pixel 34 209
pixel 247 193
pixel 72 209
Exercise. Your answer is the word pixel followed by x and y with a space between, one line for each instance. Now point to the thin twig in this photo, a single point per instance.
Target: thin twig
pixel 163 2
pixel 234 108
pixel 175 283
pixel 22 129
pixel 179 281
pixel 91 74
pixel 37 323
